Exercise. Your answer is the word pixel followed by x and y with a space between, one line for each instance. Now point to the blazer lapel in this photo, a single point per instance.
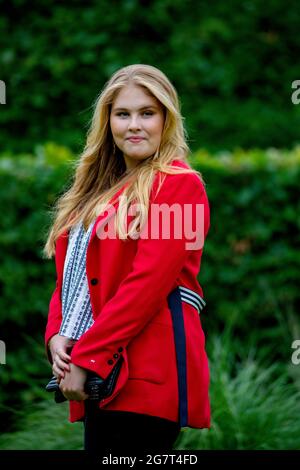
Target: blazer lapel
pixel 102 219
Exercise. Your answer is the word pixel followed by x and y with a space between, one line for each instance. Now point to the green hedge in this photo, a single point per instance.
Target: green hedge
pixel 233 66
pixel 253 406
pixel 29 185
pixel 250 262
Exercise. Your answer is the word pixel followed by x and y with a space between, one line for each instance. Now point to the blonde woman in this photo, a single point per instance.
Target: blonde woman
pixel 128 239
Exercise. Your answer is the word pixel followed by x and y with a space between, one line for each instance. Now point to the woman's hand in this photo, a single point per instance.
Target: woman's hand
pixel 72 386
pixel 59 347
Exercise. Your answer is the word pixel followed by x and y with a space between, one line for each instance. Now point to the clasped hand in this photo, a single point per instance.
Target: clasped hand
pixel 71 378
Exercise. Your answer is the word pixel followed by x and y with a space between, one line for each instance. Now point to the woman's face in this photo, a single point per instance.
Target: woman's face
pixel 136 114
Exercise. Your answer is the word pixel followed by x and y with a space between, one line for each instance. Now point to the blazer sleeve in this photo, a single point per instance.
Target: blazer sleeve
pixel 55 305
pixel 157 264
pixel 54 319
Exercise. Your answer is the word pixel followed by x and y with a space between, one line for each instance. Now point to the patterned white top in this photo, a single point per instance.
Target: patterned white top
pixel 76 305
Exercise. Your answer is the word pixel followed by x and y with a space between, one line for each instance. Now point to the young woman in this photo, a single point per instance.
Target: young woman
pixel 128 239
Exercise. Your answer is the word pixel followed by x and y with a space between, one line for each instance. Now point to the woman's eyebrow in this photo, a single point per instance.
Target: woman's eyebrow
pixel 140 109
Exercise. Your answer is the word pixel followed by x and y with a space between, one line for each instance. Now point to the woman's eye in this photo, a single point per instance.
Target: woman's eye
pixel 148 113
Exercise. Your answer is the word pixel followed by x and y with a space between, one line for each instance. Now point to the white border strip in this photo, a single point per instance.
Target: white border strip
pixel 191 297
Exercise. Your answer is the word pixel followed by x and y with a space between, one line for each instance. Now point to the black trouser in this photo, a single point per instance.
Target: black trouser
pixel 108 430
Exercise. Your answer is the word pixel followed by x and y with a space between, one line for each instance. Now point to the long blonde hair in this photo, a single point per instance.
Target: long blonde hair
pixel 100 172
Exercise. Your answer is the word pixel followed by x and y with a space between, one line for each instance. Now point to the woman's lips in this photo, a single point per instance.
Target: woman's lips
pixel 135 140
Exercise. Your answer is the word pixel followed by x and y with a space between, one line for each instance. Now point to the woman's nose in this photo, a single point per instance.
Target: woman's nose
pixel 134 122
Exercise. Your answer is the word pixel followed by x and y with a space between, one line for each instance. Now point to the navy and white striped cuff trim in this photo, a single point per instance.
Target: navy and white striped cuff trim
pixel 191 297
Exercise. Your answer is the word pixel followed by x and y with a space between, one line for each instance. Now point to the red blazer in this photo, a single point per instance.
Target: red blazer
pixel 141 313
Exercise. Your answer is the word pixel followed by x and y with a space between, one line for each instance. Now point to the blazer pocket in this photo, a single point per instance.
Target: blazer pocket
pixel 150 353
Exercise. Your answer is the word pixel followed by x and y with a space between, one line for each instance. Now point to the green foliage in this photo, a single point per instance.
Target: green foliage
pixel 254 405
pixel 45 426
pixel 251 260
pixel 233 66
pixel 29 185
pixel 249 276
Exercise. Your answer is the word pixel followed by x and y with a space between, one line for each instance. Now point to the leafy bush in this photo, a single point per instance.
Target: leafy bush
pixel 29 184
pixel 251 260
pixel 233 67
pixel 49 421
pixel 254 405
pixel 249 269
